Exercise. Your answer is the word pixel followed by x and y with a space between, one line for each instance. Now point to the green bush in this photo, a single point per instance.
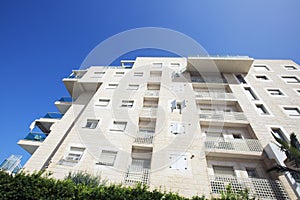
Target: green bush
pixel 81 186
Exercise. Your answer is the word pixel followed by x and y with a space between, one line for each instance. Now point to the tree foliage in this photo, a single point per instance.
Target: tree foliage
pixel 38 186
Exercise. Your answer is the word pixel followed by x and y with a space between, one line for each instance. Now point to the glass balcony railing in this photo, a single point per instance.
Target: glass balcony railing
pixel 53 115
pixel 66 99
pixel 36 137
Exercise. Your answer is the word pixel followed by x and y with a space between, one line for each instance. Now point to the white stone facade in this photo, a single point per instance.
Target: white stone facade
pixel 189 125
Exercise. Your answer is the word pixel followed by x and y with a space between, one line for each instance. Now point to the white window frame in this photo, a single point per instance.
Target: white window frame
pixel 174 64
pixel 272 92
pixel 133 87
pixel 74 154
pixel 103 102
pixel 127 103
pixel 119 73
pixel 138 74
pixel 107 157
pixel 260 68
pixel 91 123
pixel 217 169
pixel 290 67
pixel 240 78
pixel 295 108
pixel 98 74
pixel 251 94
pixel 261 109
pixel 261 77
pixel 290 78
pixel 118 126
pixel 157 65
pixel 112 85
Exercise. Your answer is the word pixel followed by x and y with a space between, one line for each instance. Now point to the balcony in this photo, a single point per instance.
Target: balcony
pixel 135 175
pixel 234 117
pixel 148 112
pixel 215 95
pixel 53 115
pixel 63 104
pixel 144 137
pixel 258 188
pixel 200 79
pixel 32 141
pixel 152 93
pixel 242 148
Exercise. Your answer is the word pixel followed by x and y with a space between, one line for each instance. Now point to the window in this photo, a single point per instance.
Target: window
pixel 261 109
pixel 275 92
pixel 252 173
pixel 133 87
pixel 119 74
pixel 98 74
pixel 290 79
pixel 174 64
pixel 112 86
pixel 290 67
pixel 292 111
pixel 250 93
pixel 262 77
pixel 240 78
pixel 91 123
pixel 223 171
pixel 127 103
pixel 74 154
pixel 103 102
pixel 177 128
pixel 138 74
pixel 278 133
pixel 157 65
pixel 107 158
pixel 261 68
pixel 178 162
pixel 298 91
pixel 118 126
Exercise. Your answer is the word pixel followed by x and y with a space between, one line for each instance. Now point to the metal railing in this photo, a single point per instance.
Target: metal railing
pixel 214 95
pixel 152 93
pixel 36 137
pixel 134 176
pixel 259 188
pixel 144 137
pixel 233 144
pixel 220 115
pixel 208 80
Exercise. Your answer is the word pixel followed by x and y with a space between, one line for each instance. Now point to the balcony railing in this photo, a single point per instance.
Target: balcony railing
pixel 208 80
pixel 259 188
pixel 36 137
pixel 215 95
pixel 220 115
pixel 154 93
pixel 66 99
pixel 245 145
pixel 53 115
pixel 134 176
pixel 144 137
pixel 148 111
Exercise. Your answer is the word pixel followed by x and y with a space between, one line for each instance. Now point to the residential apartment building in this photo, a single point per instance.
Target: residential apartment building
pixel 190 125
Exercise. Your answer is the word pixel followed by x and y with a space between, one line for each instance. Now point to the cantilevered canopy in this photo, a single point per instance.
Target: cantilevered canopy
pixel 237 64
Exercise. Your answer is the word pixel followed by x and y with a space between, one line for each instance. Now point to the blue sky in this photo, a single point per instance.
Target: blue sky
pixel 42 41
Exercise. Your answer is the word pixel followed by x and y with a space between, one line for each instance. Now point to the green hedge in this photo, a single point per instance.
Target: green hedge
pixel 36 186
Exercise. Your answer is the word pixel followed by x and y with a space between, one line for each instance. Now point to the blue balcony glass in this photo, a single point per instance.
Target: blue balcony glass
pixel 66 99
pixel 36 136
pixel 53 115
